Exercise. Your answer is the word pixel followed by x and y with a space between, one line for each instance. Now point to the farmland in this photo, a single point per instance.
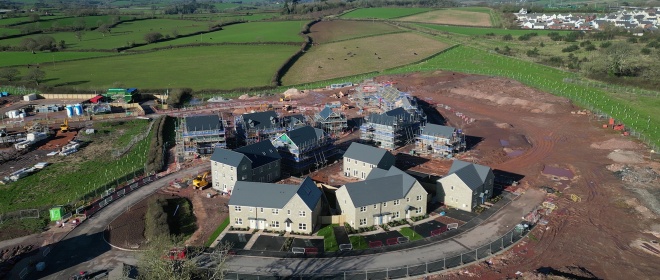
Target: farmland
pixel 451 16
pixel 90 21
pixel 8 31
pixel 383 13
pixel 329 31
pixel 123 35
pixel 231 66
pixel 23 58
pixel 351 57
pixel 475 31
pixel 74 176
pixel 280 31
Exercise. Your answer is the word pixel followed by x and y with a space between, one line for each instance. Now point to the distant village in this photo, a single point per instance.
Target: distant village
pixel 633 19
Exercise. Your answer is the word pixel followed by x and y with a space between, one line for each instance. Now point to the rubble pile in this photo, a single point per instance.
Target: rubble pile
pixel 634 174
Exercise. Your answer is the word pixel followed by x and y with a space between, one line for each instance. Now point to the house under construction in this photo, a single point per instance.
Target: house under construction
pixel 440 140
pixel 255 127
pixel 392 129
pixel 304 149
pixel 384 97
pixel 330 121
pixel 202 134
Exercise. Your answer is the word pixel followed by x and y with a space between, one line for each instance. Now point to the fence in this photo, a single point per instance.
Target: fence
pixel 20 214
pixel 480 253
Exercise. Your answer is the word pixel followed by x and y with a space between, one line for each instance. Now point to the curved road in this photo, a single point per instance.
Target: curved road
pixel 85 250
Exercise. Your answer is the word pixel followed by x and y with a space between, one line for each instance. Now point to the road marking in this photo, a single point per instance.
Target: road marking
pixel 308 243
pixel 459 243
pixel 241 238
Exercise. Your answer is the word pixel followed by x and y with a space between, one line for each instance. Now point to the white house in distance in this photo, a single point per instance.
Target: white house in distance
pixel 360 159
pixel 466 186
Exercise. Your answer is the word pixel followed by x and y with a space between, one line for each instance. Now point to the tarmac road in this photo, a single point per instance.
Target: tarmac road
pixel 85 250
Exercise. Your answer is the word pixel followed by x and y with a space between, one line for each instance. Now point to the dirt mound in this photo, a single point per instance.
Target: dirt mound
pixel 294 93
pixel 616 143
pixel 568 272
pixel 502 100
pixel 621 156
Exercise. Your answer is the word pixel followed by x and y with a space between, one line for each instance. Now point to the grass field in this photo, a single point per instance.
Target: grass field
pixel 8 31
pixel 17 20
pixel 121 35
pixel 23 58
pixel 452 16
pixel 352 57
pixel 279 31
pixel 217 232
pixel 91 21
pixel 475 31
pixel 359 242
pixel 411 234
pixel 329 241
pixel 383 13
pixel 72 177
pixel 219 67
pixel 337 30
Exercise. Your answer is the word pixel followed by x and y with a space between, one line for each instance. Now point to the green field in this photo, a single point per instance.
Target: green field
pixel 16 20
pixel 279 31
pixel 121 35
pixel 74 176
pixel 338 30
pixel 8 31
pixel 351 57
pixel 23 58
pixel 383 13
pixel 91 21
pixel 476 31
pixel 218 67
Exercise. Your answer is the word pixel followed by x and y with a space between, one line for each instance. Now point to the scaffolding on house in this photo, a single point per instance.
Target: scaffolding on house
pixel 333 124
pixel 440 145
pixel 201 141
pixel 248 133
pixel 393 135
pixel 307 156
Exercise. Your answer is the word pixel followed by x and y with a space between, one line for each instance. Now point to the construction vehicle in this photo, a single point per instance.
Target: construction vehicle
pixel 65 126
pixel 199 183
pixel 576 198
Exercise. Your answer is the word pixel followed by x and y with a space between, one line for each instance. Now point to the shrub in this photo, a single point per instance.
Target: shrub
pixel 507 37
pixel 155 221
pixel 605 44
pixel 585 43
pixel 152 37
pixel 570 48
pixel 527 36
pixel 590 48
pixel 533 53
pixel 632 40
pixel 645 51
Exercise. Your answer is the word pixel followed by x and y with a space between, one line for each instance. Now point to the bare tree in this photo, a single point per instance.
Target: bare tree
pixel 79 34
pixel 104 29
pixel 35 75
pixel 152 37
pixel 9 74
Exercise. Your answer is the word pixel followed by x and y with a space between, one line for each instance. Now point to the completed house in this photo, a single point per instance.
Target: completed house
pixel 304 148
pixel 466 186
pixel 203 134
pixel 360 159
pixel 385 196
pixel 276 207
pixel 259 162
pixel 440 140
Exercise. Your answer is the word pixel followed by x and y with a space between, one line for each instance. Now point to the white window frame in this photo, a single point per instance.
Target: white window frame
pixel 363 209
pixel 261 210
pixel 418 210
pixel 407 199
pixel 288 212
pixel 237 208
pixel 275 211
pixel 419 198
pixel 375 206
pixel 385 204
pixel 275 224
pixel 238 221
pixel 302 213
pixel 396 202
pixel 302 226
pixel 363 222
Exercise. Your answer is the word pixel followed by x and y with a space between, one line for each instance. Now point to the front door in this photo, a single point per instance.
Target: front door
pixel 288 227
pixel 407 214
pixel 376 221
pixel 253 224
pixel 262 224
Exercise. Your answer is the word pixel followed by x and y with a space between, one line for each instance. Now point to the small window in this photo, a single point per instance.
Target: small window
pixel 244 167
pixel 237 208
pixel 276 211
pixel 302 226
pixel 231 168
pixel 396 202
pixel 375 206
pixel 288 212
pixel 419 198
pixel 364 164
pixel 419 209
pixel 302 213
pixel 261 210
pixel 274 224
pixel 384 204
pixel 238 221
pixel 363 222
pixel 407 199
pixel 348 160
pixel 452 188
pixel 396 215
pixel 363 209
pixel 244 177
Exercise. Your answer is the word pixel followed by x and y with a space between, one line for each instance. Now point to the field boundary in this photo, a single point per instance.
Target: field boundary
pixel 366 36
pixel 286 66
pixel 394 7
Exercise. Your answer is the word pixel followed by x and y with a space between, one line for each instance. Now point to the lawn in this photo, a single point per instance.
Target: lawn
pixel 476 31
pixel 209 67
pixel 70 178
pixel 217 232
pixel 452 16
pixel 383 13
pixel 351 57
pixel 122 35
pixel 23 58
pixel 359 242
pixel 329 241
pixel 278 31
pixel 410 233
pixel 338 30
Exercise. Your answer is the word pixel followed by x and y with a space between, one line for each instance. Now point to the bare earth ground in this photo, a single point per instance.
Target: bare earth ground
pixel 456 17
pixel 595 235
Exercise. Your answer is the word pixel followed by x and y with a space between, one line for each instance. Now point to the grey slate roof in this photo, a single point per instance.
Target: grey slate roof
pixel 261 120
pixel 390 117
pixel 325 113
pixel 380 186
pixel 294 120
pixel 438 130
pixel 305 135
pixel 259 153
pixel 473 175
pixel 376 173
pixel 407 183
pixel 200 123
pixel 267 195
pixel 365 153
pixel 228 157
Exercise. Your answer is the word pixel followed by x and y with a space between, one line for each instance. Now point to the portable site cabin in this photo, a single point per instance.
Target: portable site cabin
pixel 56 214
pixel 121 94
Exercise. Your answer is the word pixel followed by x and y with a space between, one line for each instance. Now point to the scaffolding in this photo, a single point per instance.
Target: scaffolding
pixel 250 132
pixel 333 123
pixel 440 145
pixel 194 141
pixel 390 132
pixel 307 156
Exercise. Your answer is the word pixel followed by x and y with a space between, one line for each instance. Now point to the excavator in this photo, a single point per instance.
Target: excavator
pixel 65 126
pixel 199 183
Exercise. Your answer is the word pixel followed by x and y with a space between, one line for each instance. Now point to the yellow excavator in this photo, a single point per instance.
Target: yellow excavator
pixel 65 126
pixel 199 183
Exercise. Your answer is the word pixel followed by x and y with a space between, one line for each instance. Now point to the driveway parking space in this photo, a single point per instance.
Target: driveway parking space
pixel 429 228
pixel 237 240
pixel 460 214
pixel 383 238
pixel 269 243
pixel 310 245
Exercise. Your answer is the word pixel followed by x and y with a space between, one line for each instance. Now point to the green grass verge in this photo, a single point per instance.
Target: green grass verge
pixel 231 66
pixel 329 241
pixel 482 31
pixel 24 58
pixel 383 13
pixel 278 31
pixel 217 233
pixel 69 178
pixel 410 233
pixel 359 242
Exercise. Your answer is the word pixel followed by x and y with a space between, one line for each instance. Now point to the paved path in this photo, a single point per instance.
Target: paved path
pixel 84 249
